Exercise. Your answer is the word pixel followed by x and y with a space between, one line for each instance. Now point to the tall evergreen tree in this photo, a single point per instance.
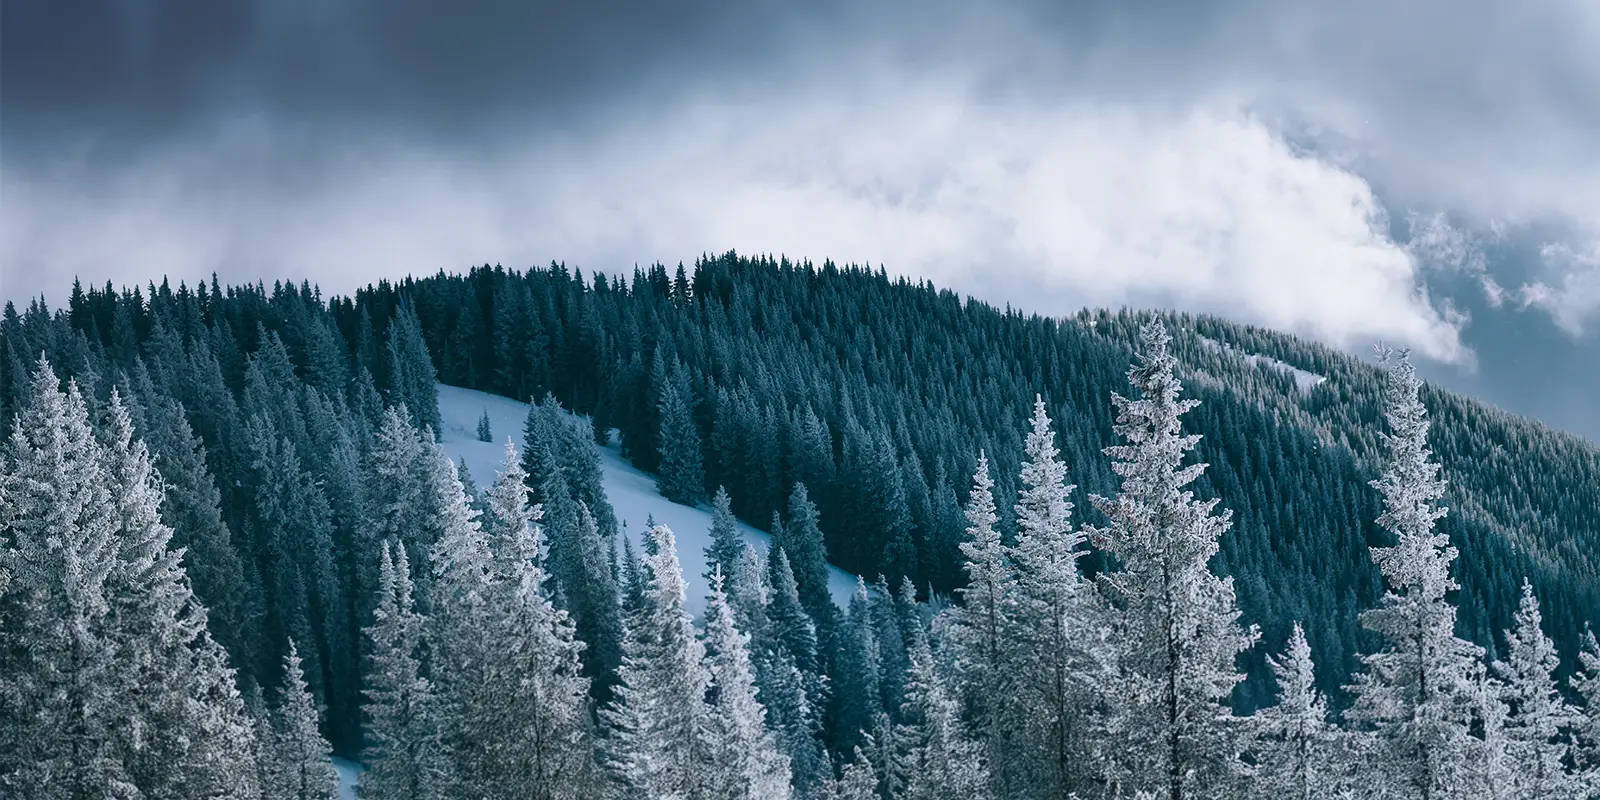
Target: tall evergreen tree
pixel 660 726
pixel 1298 755
pixel 58 548
pixel 1540 722
pixel 402 755
pixel 1177 622
pixel 412 380
pixel 299 768
pixel 726 545
pixel 185 732
pixel 681 475
pixel 1415 694
pixel 749 763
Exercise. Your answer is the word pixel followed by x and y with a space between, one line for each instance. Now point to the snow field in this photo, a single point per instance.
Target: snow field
pixel 631 492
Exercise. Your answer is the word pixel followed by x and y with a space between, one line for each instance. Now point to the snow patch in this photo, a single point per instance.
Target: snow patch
pixel 631 491
pixel 1303 380
pixel 349 777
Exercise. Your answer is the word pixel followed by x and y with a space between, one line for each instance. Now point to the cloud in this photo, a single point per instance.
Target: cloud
pixel 1576 296
pixel 1085 203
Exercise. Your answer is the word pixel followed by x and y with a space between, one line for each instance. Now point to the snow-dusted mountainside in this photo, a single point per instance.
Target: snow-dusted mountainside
pixel 632 492
pixel 1303 380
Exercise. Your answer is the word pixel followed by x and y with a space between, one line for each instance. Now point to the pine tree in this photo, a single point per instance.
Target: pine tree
pixel 856 697
pixel 1540 719
pixel 659 721
pixel 726 545
pixel 1415 694
pixel 749 764
pixel 398 498
pixel 1177 622
pixel 58 547
pixel 1586 682
pixel 807 553
pixel 1297 756
pixel 402 757
pixel 936 757
pixel 681 476
pixel 412 380
pixel 1050 617
pixel 859 781
pixel 185 730
pixel 300 769
pixel 980 631
pixel 484 432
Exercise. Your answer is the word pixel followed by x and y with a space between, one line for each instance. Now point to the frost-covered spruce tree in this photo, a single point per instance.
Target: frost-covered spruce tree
pixel 300 769
pixel 485 431
pixel 1489 767
pixel 859 781
pixel 1177 622
pixel 512 697
pixel 936 758
pixel 1415 695
pixel 659 722
pixel 397 494
pixel 58 547
pixel 980 630
pixel 1538 729
pixel 1297 755
pixel 749 765
pixel 1050 665
pixel 681 474
pixel 184 732
pixel 402 755
pixel 1586 682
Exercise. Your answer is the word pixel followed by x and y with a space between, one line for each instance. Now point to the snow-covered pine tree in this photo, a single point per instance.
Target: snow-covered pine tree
pixel 184 732
pixel 726 545
pixel 1585 681
pixel 513 713
pixel 1415 695
pixel 299 769
pixel 658 719
pixel 403 757
pixel 860 778
pixel 1540 723
pixel 1177 622
pixel 1489 766
pixel 397 494
pixel 485 432
pixel 1050 669
pixel 749 765
pixel 936 758
pixel 803 544
pixel 58 547
pixel 980 630
pixel 1296 755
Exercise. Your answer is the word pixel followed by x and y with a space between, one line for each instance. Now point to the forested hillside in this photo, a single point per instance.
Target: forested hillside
pixel 351 583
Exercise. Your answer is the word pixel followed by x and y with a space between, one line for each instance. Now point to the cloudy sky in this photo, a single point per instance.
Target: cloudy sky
pixel 1425 173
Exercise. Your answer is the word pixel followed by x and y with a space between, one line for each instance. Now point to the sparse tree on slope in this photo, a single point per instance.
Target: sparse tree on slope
pixel 1177 621
pixel 749 764
pixel 403 759
pixel 300 769
pixel 1416 692
pixel 726 545
pixel 1538 728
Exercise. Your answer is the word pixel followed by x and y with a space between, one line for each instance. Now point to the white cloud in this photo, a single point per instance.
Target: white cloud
pixel 1576 295
pixel 1084 204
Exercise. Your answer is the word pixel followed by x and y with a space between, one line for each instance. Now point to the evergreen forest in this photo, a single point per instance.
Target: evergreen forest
pixel 1113 555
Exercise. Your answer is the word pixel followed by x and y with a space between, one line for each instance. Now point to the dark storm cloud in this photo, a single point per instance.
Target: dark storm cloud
pixel 1257 158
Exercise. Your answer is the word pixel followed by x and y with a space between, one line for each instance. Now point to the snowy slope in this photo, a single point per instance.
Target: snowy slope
pixel 1303 380
pixel 349 777
pixel 631 492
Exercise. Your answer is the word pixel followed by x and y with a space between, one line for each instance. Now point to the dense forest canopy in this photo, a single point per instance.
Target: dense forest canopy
pixel 847 414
